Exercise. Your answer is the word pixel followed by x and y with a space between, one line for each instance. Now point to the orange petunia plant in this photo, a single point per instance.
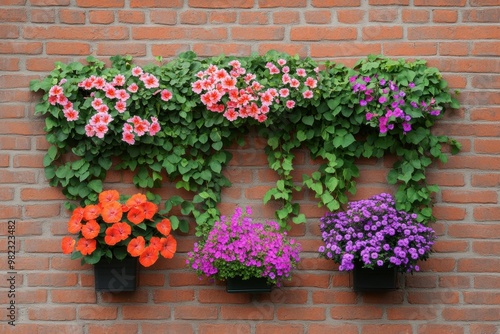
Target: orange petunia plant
pixel 118 227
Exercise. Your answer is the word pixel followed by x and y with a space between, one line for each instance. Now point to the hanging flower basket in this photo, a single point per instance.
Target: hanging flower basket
pixel 116 275
pixel 251 285
pixel 376 279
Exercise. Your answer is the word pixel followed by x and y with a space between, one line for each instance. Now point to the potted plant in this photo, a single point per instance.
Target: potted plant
pixel 246 251
pixel 373 237
pixel 113 233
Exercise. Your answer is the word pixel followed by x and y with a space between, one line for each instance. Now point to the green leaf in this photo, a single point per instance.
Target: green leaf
pixel 95 185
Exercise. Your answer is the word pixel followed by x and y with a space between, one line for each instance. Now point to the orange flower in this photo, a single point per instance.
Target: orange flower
pixel 91 229
pixel 74 225
pixel 78 212
pixel 68 245
pixel 164 227
pixel 136 200
pixel 135 215
pixel 155 243
pixel 150 209
pixel 168 247
pixel 136 246
pixel 86 246
pixel 112 212
pixel 112 236
pixel 109 196
pixel 148 257
pixel 123 230
pixel 91 212
pixel 125 208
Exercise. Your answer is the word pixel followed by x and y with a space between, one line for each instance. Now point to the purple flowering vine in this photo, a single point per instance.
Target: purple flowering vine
pixel 375 233
pixel 241 247
pixel 388 105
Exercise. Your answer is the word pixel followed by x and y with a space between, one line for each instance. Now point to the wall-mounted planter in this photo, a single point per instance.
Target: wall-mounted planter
pixel 116 275
pixel 251 285
pixel 378 279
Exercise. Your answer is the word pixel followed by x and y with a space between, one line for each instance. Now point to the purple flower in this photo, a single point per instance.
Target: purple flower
pixel 382 99
pixel 362 103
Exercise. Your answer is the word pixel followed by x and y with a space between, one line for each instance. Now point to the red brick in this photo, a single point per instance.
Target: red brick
pixel 213 49
pixel 65 296
pixel 222 17
pixel 97 312
pixel 49 2
pixel 284 296
pixel 486 247
pixel 412 313
pixel 59 313
pixel 449 3
pixel 479 265
pixel 9 31
pixel 483 328
pixel 279 328
pixel 434 297
pixel 453 32
pixel 336 3
pixel 388 2
pixel 334 297
pixel 42 210
pixel 450 246
pixel 481 298
pixel 21 48
pixel 168 17
pixel 71 16
pixel 455 282
pixel 485 114
pixel 162 33
pixel 245 33
pixel 168 50
pixel 350 16
pixel 42 15
pixel 309 313
pixel 469 196
pixel 173 296
pixel 241 328
pixel 173 327
pixel 143 312
pixel 356 312
pixel 487 213
pixel 415 15
pixel 438 329
pixel 109 49
pixel 471 314
pixel 487 282
pixel 68 32
pixel 321 33
pixel 100 3
pixel 101 17
pixel 195 312
pixel 124 297
pixel 131 16
pixel 196 17
pixel 13 15
pixel 453 49
pixel 382 15
pixel 345 49
pixel 318 17
pixel 409 49
pixel 444 16
pixel 113 328
pixel 9 64
pixel 236 312
pixel 219 296
pixel 332 328
pixel 381 33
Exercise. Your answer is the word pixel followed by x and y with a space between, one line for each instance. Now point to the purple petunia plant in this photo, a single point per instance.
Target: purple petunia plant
pixel 241 247
pixel 389 105
pixel 374 233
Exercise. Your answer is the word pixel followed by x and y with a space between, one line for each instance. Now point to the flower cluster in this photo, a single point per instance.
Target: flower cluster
pixel 112 228
pixel 238 93
pixel 108 100
pixel 241 247
pixel 386 103
pixel 374 232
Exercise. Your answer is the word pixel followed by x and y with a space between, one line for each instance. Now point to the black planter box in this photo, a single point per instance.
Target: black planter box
pixel 377 279
pixel 116 275
pixel 251 285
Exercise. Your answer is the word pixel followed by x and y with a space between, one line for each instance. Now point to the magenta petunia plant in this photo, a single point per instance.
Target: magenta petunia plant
pixel 389 105
pixel 241 247
pixel 374 233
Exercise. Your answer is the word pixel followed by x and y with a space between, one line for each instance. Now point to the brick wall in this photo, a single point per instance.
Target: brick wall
pixel 458 290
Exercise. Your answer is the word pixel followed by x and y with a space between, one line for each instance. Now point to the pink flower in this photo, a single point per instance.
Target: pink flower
pixel 220 74
pixel 228 83
pixel 96 103
pixel 290 104
pixel 285 78
pixel 311 83
pixel 86 84
pixel 70 114
pixel 150 81
pixel 99 83
pixel 56 90
pixel 166 95
pixel 274 70
pixel 294 83
pixel 141 128
pixel 137 71
pixel 89 130
pixel 119 80
pixel 62 100
pixel 285 69
pixel 264 109
pixel 154 128
pixel 110 91
pixel 301 72
pixel 231 114
pixel 235 63
pixel 266 99
pixel 307 94
pixel 53 100
pixel 284 92
pixel 101 129
pixel 197 87
pixel 249 77
pixel 128 137
pixel 103 108
pixel 127 128
pixel 261 118
pixel 122 95
pixel 133 88
pixel 281 62
pixel 120 106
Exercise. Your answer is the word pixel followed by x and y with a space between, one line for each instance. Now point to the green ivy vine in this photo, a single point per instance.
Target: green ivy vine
pixel 191 148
